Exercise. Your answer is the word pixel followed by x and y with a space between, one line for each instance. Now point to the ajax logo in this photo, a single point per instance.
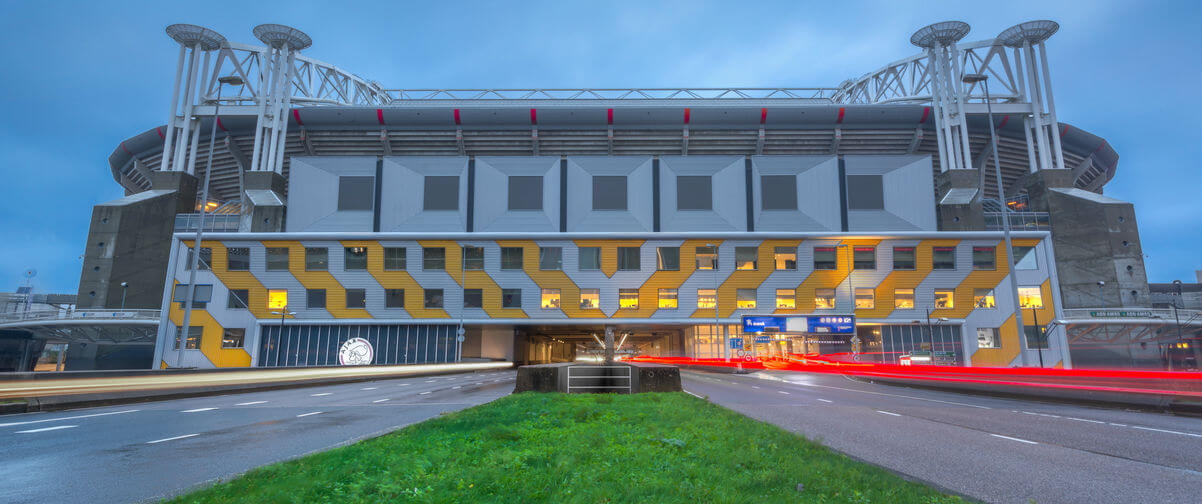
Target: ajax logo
pixel 355 352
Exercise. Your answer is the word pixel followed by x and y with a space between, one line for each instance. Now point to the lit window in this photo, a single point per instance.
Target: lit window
pixel 354 258
pixel 786 298
pixel 511 298
pixel 277 299
pixel 667 258
pixel 864 258
pixel 317 259
pixel 944 258
pixel 432 298
pixel 550 258
pixel 232 337
pixel 824 299
pixel 824 258
pixel 903 299
pixel 984 258
pixel 394 298
pixel 785 258
pixel 987 338
pixel 706 298
pixel 944 299
pixel 590 299
pixel 473 258
pixel 745 299
pixel 707 258
pixel 394 258
pixel 473 298
pixel 903 258
pixel 277 258
pixel 1024 258
pixel 865 298
pixel 1030 297
pixel 194 335
pixel 434 258
pixel 628 299
pixel 237 259
pixel 550 299
pixel 628 259
pixel 667 298
pixel 590 258
pixel 983 298
pixel 745 258
pixel 511 258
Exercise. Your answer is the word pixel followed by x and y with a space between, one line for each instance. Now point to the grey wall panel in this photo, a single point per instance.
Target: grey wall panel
pixel 728 194
pixel 313 193
pixel 403 194
pixel 492 197
pixel 908 194
pixel 817 193
pixel 638 213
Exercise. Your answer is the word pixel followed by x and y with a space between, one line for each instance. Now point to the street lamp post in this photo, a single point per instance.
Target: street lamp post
pixel 970 78
pixel 124 287
pixel 1177 317
pixel 1101 297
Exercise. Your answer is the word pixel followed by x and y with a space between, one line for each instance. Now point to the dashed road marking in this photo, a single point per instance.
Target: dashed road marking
pixel 248 403
pixel 455 387
pixel 308 414
pixel 171 438
pixel 375 401
pixel 1013 439
pixel 1085 420
pixel 823 400
pixel 1166 431
pixel 782 392
pixel 423 393
pixel 9 424
pixel 44 429
pixel 364 388
pixel 197 410
pixel 321 394
pixel 887 413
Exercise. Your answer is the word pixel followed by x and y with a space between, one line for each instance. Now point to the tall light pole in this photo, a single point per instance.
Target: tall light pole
pixel 124 287
pixel 1175 315
pixel 971 78
pixel 232 80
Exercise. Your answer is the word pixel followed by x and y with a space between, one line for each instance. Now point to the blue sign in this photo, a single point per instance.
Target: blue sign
pixel 832 324
pixel 763 339
pixel 736 342
pixel 758 323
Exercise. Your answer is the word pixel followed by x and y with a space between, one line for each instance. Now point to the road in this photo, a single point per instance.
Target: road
pixel 992 449
pixel 148 451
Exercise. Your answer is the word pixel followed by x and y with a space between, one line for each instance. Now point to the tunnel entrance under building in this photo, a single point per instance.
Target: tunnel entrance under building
pixel 545 344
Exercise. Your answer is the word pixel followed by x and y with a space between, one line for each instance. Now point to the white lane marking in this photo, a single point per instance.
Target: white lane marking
pixel 171 438
pixel 753 386
pixel 308 414
pixel 685 391
pixel 1013 439
pixel 880 393
pixel 375 401
pixel 477 383
pixel 427 381
pixel 887 413
pixel 197 410
pixel 732 383
pixel 423 393
pixel 1041 414
pixel 1167 431
pixel 1085 420
pixel 66 418
pixel 1111 423
pixel 452 388
pixel 248 403
pixel 778 391
pixel 44 429
pixel 364 388
pixel 823 400
pixel 403 384
pixel 321 394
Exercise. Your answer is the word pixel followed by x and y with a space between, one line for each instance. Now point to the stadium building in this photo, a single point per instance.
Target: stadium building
pixel 436 225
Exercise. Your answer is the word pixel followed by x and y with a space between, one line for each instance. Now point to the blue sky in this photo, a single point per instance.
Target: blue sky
pixel 80 77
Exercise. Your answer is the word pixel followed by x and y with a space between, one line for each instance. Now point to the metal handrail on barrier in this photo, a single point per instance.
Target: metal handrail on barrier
pixel 78 314
pixel 628 387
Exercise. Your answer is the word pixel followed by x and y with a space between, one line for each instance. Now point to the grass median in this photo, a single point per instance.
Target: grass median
pixel 531 447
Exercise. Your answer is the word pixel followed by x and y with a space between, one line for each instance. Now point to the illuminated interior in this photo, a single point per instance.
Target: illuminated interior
pixel 277 299
pixel 903 299
pixel 983 298
pixel 944 299
pixel 590 299
pixel 1030 297
pixel 667 298
pixel 706 298
pixel 628 299
pixel 550 299
pixel 865 298
pixel 824 299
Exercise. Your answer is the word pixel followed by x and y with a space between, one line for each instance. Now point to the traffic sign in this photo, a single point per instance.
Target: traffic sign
pixel 736 342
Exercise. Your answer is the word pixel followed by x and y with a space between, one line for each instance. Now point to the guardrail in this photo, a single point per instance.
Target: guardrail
pixel 79 315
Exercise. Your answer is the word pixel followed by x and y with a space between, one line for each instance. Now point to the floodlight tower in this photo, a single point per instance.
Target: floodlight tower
pixel 947 94
pixel 1024 38
pixel 279 64
pixel 194 41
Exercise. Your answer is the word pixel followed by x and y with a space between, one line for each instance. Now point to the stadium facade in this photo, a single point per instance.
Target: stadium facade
pixel 440 225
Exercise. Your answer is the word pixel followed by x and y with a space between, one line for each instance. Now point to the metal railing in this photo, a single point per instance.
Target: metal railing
pixel 813 93
pixel 1019 221
pixel 216 223
pixel 131 314
pixel 602 381
pixel 1166 314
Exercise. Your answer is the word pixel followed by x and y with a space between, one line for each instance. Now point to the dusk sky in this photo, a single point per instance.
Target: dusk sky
pixel 80 77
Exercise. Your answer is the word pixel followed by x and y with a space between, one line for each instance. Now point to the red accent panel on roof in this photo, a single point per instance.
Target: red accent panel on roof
pixel 686 116
pixel 1005 119
pixel 841 110
pixel 533 117
pixel 219 125
pixel 1064 130
pixel 380 116
pixel 127 150
pixel 926 112
pixel 763 116
pixel 295 115
pixel 609 117
pixel 457 123
pixel 160 131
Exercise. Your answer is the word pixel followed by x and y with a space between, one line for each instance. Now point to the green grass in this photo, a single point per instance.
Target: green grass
pixel 533 447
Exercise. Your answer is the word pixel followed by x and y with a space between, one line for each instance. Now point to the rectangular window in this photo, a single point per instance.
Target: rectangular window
pixel 944 299
pixel 1037 336
pixel 944 258
pixel 356 298
pixel 434 258
pixel 550 299
pixel 864 258
pixel 1024 258
pixel 667 258
pixel 432 298
pixel 194 335
pixel 668 298
pixel 590 258
pixel 201 295
pixel 233 337
pixel 511 258
pixel 745 299
pixel 473 258
pixel 984 258
pixel 394 298
pixel 511 298
pixel 707 258
pixel 865 298
pixel 786 299
pixel 746 258
pixel 903 299
pixel 317 259
pixel 473 298
pixel 694 192
pixel 628 299
pixel 277 299
pixel 590 299
pixel 824 299
pixel 865 192
pixel 628 259
pixel 237 259
pixel 785 258
pixel 442 193
pixel 983 298
pixel 525 192
pixel 394 258
pixel 354 259
pixel 609 192
pixel 206 258
pixel 356 192
pixel 987 337
pixel 315 298
pixel 550 258
pixel 1030 297
pixel 706 298
pixel 237 300
pixel 778 192
pixel 277 258
pixel 904 258
pixel 825 258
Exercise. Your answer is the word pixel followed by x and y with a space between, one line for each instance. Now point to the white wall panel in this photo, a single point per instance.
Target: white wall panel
pixel 403 194
pixel 638 213
pixel 492 193
pixel 313 193
pixel 728 187
pixel 817 193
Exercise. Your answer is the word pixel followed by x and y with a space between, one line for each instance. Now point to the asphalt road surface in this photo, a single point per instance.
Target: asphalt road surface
pixel 992 449
pixel 149 451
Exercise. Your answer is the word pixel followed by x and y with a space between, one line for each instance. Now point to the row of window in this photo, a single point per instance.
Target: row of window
pixel 628 299
pixel 628 258
pixel 231 337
